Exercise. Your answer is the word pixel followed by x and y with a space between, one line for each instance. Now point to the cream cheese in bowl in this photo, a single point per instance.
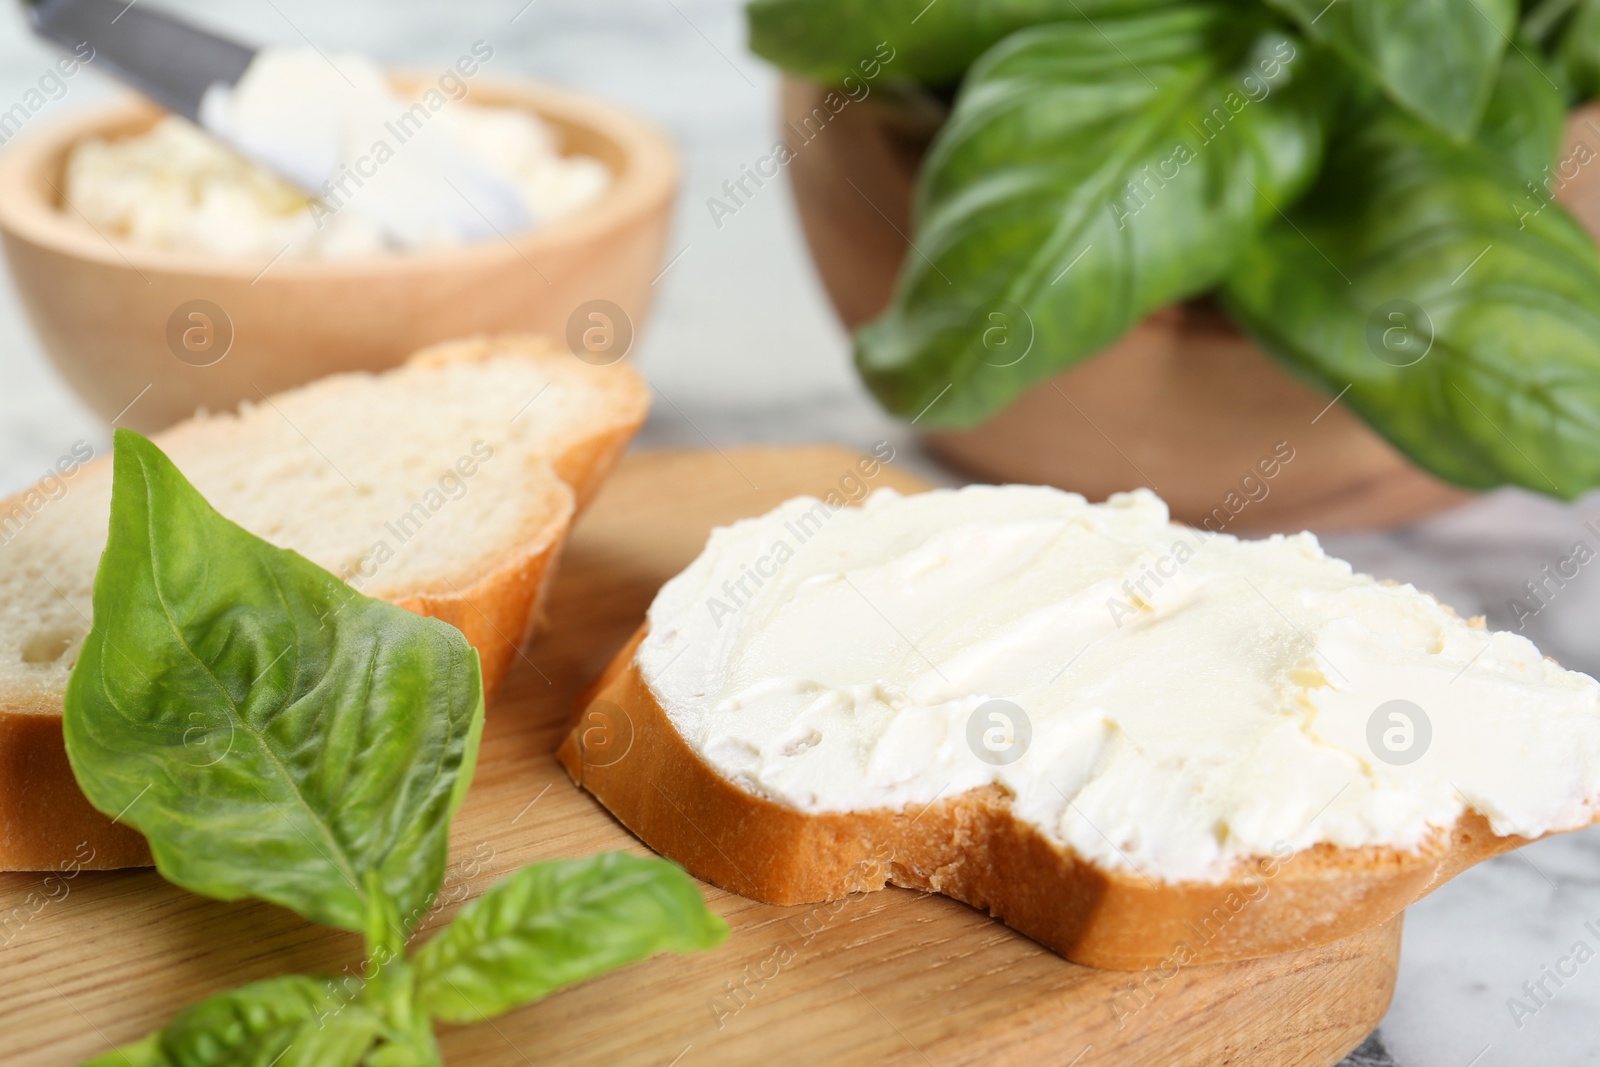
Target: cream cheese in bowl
pixel 394 172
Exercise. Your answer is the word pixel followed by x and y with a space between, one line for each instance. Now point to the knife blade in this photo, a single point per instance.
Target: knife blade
pixel 164 58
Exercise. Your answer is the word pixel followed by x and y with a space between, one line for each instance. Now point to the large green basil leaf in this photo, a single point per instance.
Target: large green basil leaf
pixel 910 40
pixel 1526 120
pixel 1088 175
pixel 1437 58
pixel 272 732
pixel 281 1022
pixel 553 924
pixel 1464 322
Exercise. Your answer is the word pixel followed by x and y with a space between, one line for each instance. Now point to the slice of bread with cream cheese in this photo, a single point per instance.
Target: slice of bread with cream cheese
pixel 1131 740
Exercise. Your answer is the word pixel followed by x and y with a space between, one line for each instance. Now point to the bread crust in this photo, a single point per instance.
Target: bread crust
pixel 971 847
pixel 45 821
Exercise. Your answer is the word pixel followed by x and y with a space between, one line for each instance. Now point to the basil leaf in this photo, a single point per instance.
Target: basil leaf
pixel 1568 31
pixel 1087 176
pixel 266 1013
pixel 287 1022
pixel 272 732
pixel 553 924
pixel 145 1053
pixel 933 44
pixel 1580 50
pixel 341 1041
pixel 1467 336
pixel 1436 58
pixel 1526 121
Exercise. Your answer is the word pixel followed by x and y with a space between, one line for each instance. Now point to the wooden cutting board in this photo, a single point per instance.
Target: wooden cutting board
pixel 894 977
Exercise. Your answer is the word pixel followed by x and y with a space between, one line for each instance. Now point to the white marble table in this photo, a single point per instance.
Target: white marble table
pixel 744 345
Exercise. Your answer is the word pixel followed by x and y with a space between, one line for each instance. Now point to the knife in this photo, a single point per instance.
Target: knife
pixel 170 61
pixel 179 65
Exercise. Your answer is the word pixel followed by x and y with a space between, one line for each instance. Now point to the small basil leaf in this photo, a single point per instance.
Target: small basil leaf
pixel 1088 176
pixel 287 1022
pixel 1436 58
pixel 145 1053
pixel 259 1019
pixel 1526 121
pixel 1467 335
pixel 402 1055
pixel 340 1041
pixel 912 40
pixel 553 924
pixel 272 732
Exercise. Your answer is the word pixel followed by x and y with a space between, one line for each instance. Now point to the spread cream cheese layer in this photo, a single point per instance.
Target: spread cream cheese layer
pixel 1171 700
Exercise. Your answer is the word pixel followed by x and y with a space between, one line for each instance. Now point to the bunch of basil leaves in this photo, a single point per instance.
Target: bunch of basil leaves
pixel 1364 184
pixel 275 734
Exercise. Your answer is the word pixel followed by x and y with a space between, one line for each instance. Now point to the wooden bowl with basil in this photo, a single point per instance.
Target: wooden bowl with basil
pixel 1349 237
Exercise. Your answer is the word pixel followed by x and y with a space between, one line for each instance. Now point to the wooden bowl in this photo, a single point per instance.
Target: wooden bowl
pixel 1184 403
pixel 104 309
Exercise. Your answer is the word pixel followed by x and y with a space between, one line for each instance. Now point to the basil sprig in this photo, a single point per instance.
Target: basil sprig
pixel 275 734
pixel 1104 159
